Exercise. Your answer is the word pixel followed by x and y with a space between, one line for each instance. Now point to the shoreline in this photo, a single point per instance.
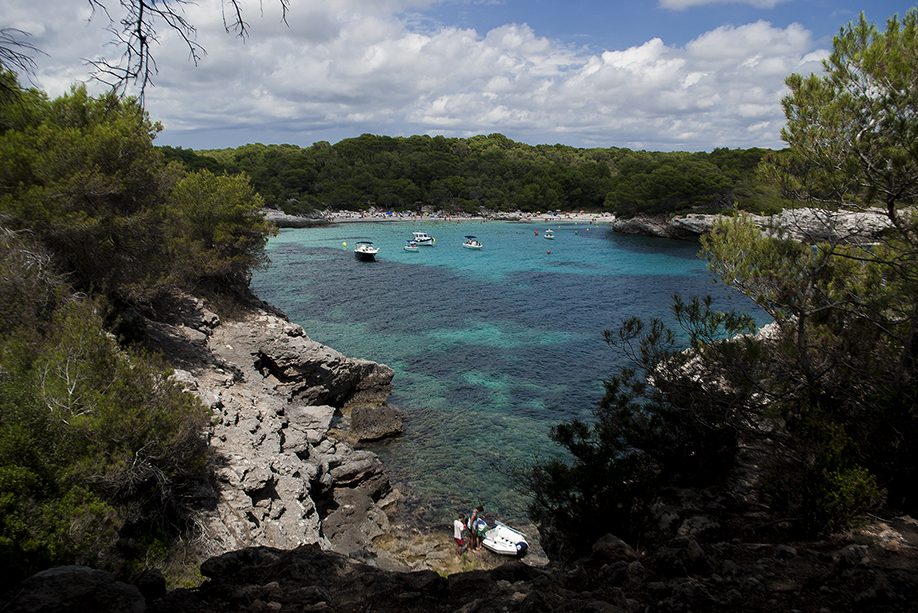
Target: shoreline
pixel 282 220
pixel 342 217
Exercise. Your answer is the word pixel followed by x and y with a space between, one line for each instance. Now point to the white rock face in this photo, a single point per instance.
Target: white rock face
pixel 274 394
pixel 805 225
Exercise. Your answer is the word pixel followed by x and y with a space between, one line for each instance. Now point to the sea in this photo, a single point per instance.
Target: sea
pixel 490 347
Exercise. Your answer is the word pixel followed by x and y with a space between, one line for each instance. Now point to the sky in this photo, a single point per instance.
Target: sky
pixel 658 75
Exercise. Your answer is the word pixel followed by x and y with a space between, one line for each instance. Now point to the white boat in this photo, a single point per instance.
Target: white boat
pixel 365 251
pixel 422 239
pixel 411 246
pixel 549 235
pixel 504 540
pixel 471 243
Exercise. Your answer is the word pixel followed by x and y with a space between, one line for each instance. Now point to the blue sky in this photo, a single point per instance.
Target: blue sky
pixel 605 25
pixel 657 75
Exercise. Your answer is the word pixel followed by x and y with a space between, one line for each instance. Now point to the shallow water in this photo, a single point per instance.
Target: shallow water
pixel 490 347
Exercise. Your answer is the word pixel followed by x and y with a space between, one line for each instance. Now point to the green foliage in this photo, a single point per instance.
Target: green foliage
pixel 99 449
pixel 94 442
pixel 216 233
pixel 825 491
pixel 852 130
pixel 83 177
pixel 490 172
pixel 644 438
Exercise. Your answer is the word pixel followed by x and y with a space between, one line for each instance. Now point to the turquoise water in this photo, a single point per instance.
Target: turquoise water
pixel 491 347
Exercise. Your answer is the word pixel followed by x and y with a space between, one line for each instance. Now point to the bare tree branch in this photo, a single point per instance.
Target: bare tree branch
pixel 15 52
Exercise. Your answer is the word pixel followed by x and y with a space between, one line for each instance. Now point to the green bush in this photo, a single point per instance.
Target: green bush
pixel 95 444
pixel 824 491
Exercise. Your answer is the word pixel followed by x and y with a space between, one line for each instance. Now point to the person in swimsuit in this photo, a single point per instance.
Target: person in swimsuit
pixel 474 540
pixel 458 529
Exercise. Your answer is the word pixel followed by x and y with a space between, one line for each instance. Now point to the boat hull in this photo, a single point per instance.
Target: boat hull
pixel 504 540
pixel 467 246
pixel 365 256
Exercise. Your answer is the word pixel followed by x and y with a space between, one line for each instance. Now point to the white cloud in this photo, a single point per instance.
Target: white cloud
pixel 339 69
pixel 680 5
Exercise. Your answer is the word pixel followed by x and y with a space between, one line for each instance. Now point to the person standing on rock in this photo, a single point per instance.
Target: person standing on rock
pixel 474 540
pixel 458 529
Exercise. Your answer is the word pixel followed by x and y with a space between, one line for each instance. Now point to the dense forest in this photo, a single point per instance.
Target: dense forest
pixel 490 173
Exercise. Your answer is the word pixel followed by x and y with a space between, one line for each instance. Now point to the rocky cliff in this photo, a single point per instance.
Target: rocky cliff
pixel 805 225
pixel 275 396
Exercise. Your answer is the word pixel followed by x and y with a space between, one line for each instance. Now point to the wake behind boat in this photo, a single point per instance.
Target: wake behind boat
pixel 365 251
pixel 504 540
pixel 471 243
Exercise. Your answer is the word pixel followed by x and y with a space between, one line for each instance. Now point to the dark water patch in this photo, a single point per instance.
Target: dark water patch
pixel 490 348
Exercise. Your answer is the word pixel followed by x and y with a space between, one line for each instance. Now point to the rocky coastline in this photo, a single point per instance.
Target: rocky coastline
pixel 300 518
pixel 805 225
pixel 283 427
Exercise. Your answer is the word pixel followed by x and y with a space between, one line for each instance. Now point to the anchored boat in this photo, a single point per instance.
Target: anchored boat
pixel 504 540
pixel 365 251
pixel 471 243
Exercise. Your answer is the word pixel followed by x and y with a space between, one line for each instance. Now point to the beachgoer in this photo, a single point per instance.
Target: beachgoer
pixel 458 529
pixel 474 541
pixel 481 526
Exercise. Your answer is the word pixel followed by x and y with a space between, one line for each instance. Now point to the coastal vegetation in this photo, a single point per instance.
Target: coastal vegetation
pixel 99 448
pixel 492 173
pixel 823 404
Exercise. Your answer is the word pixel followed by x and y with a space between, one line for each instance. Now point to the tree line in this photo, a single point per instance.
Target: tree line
pixel 491 173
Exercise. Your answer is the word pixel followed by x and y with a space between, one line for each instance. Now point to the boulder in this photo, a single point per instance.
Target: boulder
pixel 75 589
pixel 612 549
pixel 311 422
pixel 372 423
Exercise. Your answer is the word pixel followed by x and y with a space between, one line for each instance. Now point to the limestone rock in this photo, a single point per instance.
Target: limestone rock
pixel 274 393
pixel 805 225
pixel 370 423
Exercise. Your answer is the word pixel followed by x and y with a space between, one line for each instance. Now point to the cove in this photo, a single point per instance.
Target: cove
pixel 490 347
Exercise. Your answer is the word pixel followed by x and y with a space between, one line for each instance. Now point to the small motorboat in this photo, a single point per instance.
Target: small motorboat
pixel 422 239
pixel 471 243
pixel 504 540
pixel 549 235
pixel 365 251
pixel 411 246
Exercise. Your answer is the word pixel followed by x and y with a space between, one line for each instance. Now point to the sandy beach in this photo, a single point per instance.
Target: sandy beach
pixel 282 220
pixel 354 217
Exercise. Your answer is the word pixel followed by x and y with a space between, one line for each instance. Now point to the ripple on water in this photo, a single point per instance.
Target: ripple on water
pixel 490 348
